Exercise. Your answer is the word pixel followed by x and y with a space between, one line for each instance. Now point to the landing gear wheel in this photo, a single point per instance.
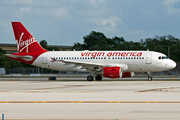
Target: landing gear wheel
pixel 150 75
pixel 150 78
pixel 90 78
pixel 98 78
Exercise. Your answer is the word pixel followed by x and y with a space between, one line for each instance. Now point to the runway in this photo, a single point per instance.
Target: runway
pixel 83 100
pixel 85 78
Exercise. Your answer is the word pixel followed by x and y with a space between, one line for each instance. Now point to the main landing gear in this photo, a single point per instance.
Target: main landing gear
pixel 98 78
pixel 91 78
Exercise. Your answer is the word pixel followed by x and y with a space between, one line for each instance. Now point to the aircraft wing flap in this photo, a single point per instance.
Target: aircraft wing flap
pixel 80 63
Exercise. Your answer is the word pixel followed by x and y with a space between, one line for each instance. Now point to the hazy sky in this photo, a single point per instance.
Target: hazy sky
pixel 65 22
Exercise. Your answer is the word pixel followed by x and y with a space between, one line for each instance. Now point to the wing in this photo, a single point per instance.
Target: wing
pixel 91 65
pixel 84 65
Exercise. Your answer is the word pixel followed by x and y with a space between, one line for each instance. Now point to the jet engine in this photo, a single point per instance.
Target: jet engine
pixel 127 74
pixel 112 72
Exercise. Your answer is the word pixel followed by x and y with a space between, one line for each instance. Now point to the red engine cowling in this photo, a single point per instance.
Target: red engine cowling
pixel 128 74
pixel 112 72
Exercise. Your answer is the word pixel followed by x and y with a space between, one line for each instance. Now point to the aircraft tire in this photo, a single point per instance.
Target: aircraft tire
pixel 90 78
pixel 98 78
pixel 150 78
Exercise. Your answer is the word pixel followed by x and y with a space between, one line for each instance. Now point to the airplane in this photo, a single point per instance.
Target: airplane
pixel 111 64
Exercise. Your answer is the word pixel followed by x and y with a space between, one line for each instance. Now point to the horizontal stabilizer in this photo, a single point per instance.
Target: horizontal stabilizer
pixel 27 57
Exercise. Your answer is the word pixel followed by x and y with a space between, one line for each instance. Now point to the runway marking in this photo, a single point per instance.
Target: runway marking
pixel 160 89
pixel 110 102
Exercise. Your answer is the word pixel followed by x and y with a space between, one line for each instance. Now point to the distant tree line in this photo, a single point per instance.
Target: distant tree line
pixel 98 41
pixel 44 44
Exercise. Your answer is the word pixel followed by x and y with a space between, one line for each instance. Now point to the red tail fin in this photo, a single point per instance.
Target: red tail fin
pixel 25 41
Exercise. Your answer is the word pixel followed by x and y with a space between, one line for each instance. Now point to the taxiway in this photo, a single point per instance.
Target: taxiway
pixel 83 100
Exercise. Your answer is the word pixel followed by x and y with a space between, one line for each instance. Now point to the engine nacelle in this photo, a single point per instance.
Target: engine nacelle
pixel 112 72
pixel 128 74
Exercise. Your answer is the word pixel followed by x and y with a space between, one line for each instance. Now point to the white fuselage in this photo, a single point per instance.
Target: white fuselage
pixel 136 61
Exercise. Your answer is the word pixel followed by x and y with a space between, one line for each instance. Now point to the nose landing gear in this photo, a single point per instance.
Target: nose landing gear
pixel 150 76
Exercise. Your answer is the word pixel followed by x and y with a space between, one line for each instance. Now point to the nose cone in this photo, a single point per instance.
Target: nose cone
pixel 172 64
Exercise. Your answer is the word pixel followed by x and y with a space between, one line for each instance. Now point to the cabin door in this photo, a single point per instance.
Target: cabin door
pixel 44 59
pixel 148 58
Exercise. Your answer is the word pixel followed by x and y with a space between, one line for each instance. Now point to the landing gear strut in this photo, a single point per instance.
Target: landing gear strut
pixel 149 76
pixel 90 78
pixel 98 78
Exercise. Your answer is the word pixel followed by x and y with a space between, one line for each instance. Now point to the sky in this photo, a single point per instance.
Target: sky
pixel 65 22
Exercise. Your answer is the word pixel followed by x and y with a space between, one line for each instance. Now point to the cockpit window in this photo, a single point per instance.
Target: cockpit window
pixel 162 57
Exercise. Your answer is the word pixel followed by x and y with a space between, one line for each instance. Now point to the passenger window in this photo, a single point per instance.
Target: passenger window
pixel 77 57
pixel 134 58
pixel 139 57
pixel 109 57
pixel 70 58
